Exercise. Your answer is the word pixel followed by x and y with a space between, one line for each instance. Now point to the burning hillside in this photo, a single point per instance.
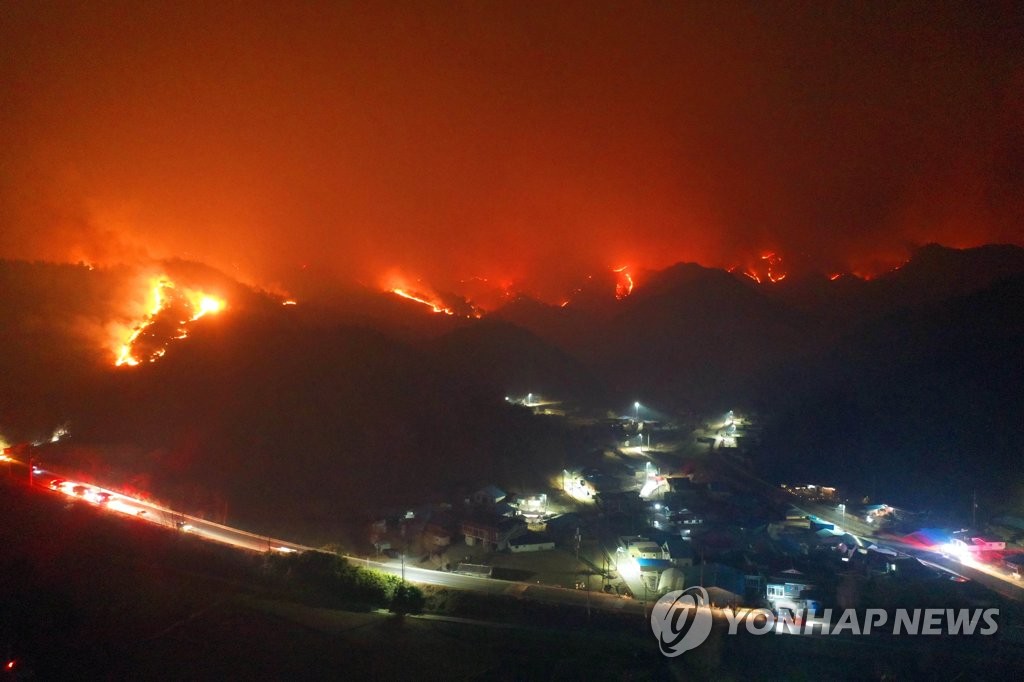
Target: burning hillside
pixel 170 312
pixel 438 302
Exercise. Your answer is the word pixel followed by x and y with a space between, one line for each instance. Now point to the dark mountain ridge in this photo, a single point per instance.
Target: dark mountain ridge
pixel 311 412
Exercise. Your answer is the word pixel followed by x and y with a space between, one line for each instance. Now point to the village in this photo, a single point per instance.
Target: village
pixel 686 511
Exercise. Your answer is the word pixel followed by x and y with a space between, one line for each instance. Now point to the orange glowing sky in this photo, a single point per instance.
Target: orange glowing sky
pixel 507 140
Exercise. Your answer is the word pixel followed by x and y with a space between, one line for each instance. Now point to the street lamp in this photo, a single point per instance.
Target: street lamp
pixel 636 407
pixel 842 508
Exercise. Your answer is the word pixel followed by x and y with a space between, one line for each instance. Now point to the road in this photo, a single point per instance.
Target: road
pixel 992 577
pixel 519 590
pixel 150 512
pixel 996 579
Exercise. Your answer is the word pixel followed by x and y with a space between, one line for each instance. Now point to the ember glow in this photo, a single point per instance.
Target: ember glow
pixel 487 293
pixel 170 312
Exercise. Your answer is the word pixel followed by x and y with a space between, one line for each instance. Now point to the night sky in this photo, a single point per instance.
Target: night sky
pixel 509 140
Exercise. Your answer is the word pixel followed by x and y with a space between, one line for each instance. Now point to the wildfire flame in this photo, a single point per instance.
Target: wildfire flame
pixel 624 287
pixel 436 307
pixel 166 299
pixel 203 304
pixel 772 273
pixel 418 291
pixel 773 262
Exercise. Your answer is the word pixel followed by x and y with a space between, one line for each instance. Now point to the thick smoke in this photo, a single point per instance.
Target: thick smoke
pixel 514 142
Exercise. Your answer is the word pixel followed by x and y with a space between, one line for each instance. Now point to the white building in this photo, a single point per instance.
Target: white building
pixel 788 590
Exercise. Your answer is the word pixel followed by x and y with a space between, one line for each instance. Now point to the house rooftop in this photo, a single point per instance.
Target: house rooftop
pixel 678 548
pixel 653 564
pixel 529 538
pixel 492 491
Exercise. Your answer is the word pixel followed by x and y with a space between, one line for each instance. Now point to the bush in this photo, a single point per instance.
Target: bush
pixel 333 581
pixel 407 599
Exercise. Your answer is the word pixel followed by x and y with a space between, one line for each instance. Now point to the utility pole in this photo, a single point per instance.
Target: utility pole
pixel 402 522
pixel 588 596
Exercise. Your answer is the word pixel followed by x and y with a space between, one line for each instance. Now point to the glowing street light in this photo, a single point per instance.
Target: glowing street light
pixel 636 407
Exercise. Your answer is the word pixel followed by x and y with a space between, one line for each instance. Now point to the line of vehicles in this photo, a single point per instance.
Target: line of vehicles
pixel 162 516
pixel 105 498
